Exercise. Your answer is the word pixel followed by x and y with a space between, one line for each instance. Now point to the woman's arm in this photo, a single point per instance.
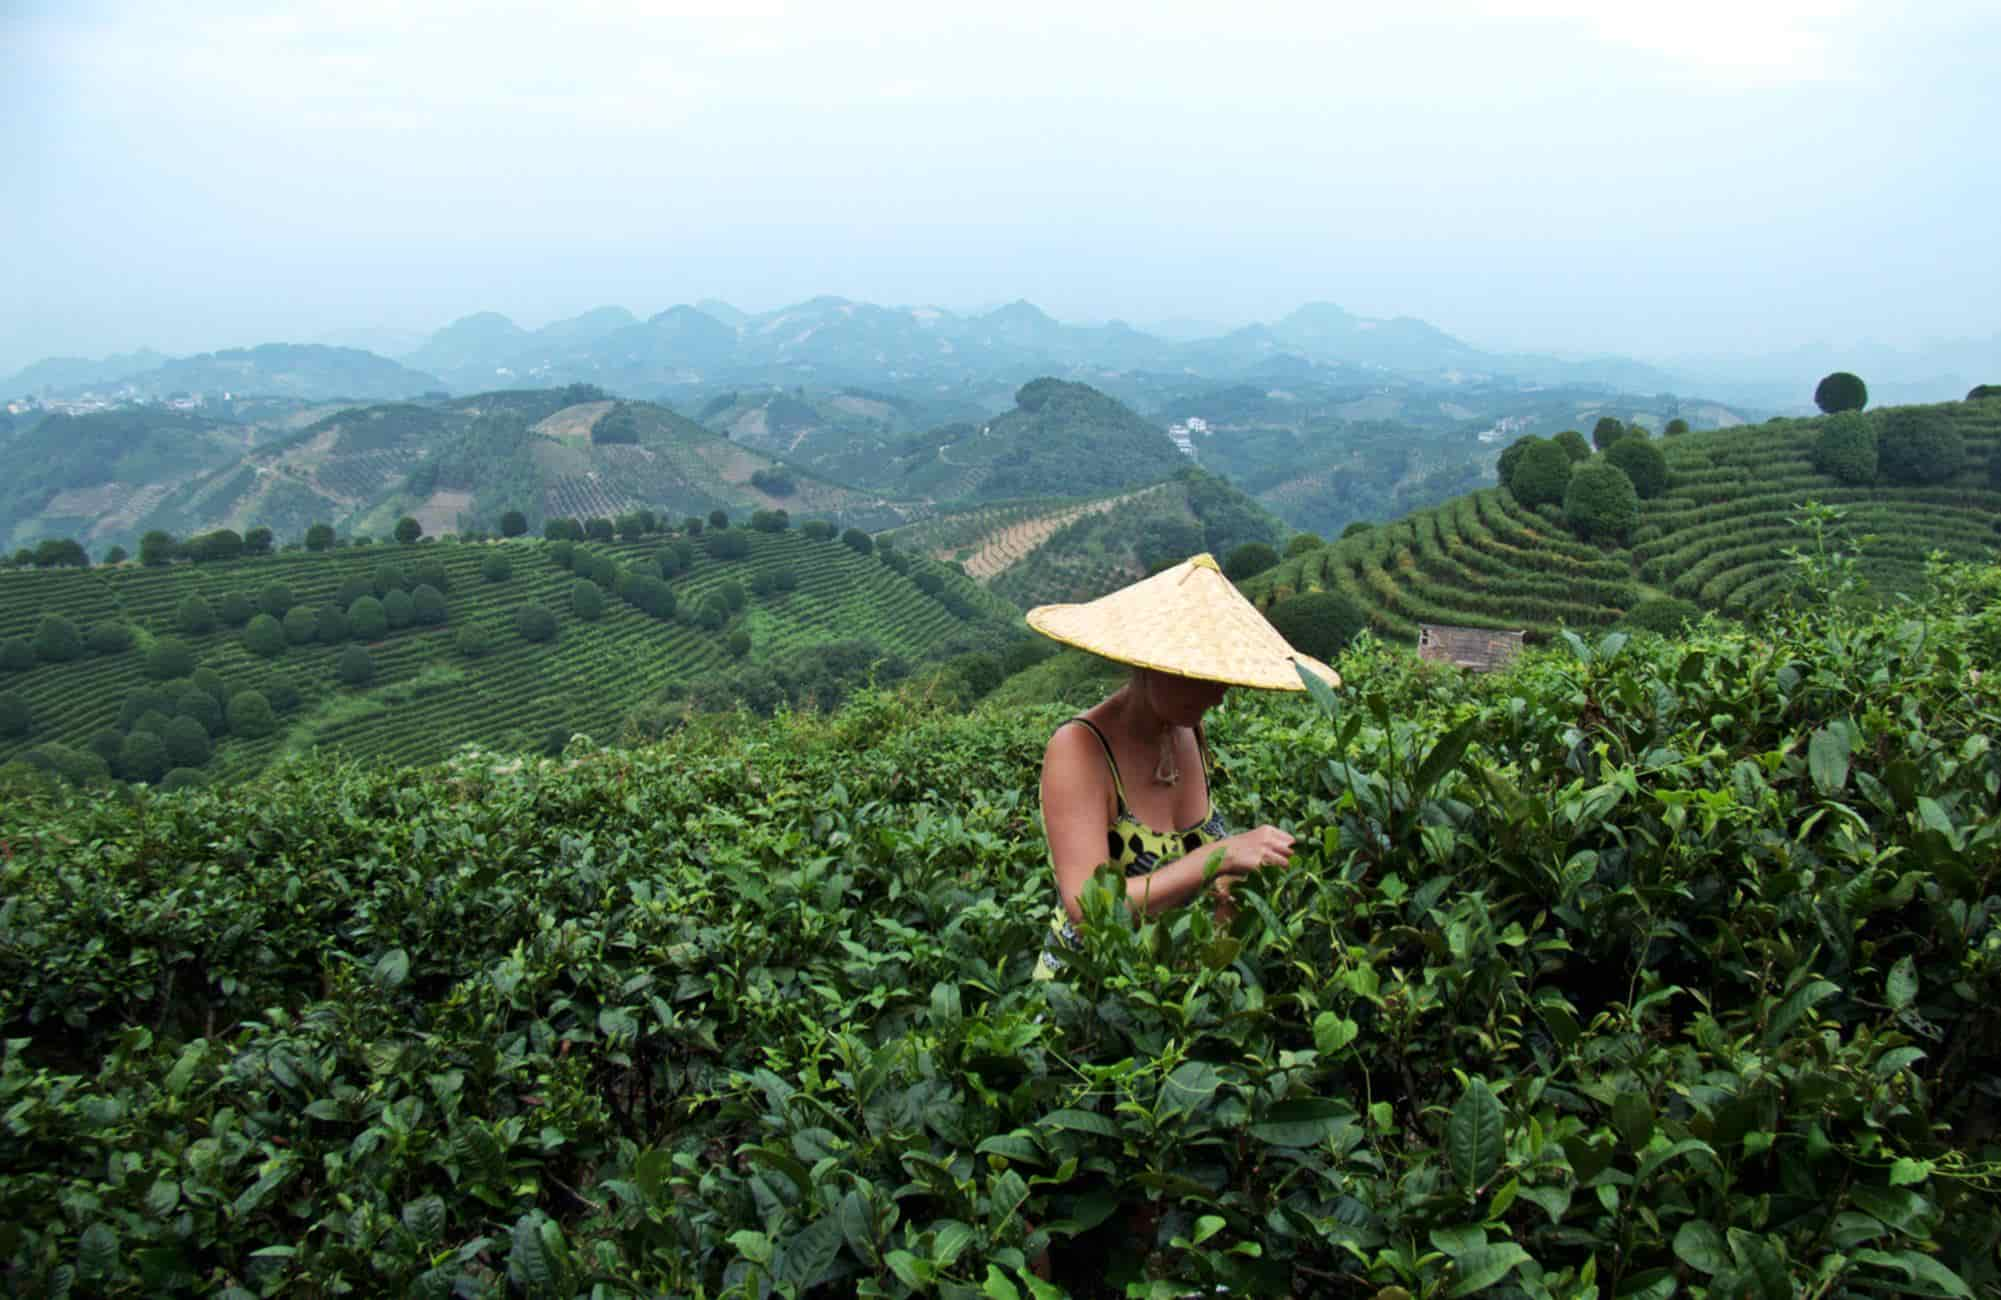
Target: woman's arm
pixel 1076 794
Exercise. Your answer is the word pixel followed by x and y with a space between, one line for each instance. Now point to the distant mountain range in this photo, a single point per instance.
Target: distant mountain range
pixel 826 343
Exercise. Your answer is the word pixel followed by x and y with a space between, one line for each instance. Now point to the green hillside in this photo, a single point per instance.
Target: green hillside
pixel 430 693
pixel 453 465
pixel 1716 537
pixel 1077 548
pixel 1624 972
pixel 1061 438
pixel 95 477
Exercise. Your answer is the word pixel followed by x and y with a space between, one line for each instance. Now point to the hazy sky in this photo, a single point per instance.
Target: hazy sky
pixel 1574 175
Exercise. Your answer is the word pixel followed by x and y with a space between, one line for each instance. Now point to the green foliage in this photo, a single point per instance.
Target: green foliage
pixel 431 573
pixel 731 545
pixel 599 529
pixel 16 719
pixel 1675 428
pixel 60 552
pixel 182 778
pixel 264 637
pixel 1840 391
pixel 858 541
pixel 1541 475
pixel 1918 445
pixel 475 640
pixel 1846 448
pixel 773 482
pixel 17 654
pixel 1643 462
pixel 142 756
pixel 222 544
pixel 1360 526
pixel 535 623
pixel 186 743
pixel 169 658
pixel 250 715
pixel 234 609
pixel 587 600
pixel 330 626
pixel 513 524
pixel 1981 392
pixel 56 640
pixel 275 599
pixel 157 548
pixel 818 530
pixel 199 706
pixel 258 541
pixel 399 609
pixel 739 644
pixel 1574 444
pixel 109 637
pixel 770 521
pixel 1319 623
pixel 194 616
pixel 320 537
pixel 1606 432
pixel 367 620
pixel 1300 543
pixel 616 426
pixel 719 519
pixel 1249 560
pixel 301 627
pixel 355 666
pixel 1563 990
pixel 1601 502
pixel 427 605
pixel 408 530
pixel 563 530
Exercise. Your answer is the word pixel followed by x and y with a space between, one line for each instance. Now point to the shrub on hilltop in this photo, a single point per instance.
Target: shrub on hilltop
pixel 1918 445
pixel 1248 561
pixel 1575 443
pixel 16 718
pixel 1641 458
pixel 1606 432
pixel 355 667
pixel 17 654
pixel 1542 474
pixel 1600 503
pixel 1846 448
pixel 535 623
pixel 56 640
pixel 1318 623
pixel 1840 391
pixel 169 658
pixel 250 715
pixel 264 637
pixel 109 637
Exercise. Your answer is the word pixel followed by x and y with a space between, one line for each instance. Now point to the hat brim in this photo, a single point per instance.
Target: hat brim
pixel 1188 620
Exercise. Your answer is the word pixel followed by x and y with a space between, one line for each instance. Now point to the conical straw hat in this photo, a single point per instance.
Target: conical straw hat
pixel 1189 620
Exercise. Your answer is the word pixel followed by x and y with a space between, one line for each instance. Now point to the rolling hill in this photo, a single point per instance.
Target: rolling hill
pixel 431 690
pixel 1716 538
pixel 1032 552
pixel 108 477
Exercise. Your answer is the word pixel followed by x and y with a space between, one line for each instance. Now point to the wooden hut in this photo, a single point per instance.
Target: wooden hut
pixel 1481 649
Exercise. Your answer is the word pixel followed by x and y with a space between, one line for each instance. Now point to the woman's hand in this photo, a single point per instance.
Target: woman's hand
pixel 1267 846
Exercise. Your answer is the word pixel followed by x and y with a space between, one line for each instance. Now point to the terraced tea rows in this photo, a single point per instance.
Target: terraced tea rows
pixel 427 698
pixel 1718 537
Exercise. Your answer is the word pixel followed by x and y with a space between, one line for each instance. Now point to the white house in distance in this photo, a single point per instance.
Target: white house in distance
pixel 1183 432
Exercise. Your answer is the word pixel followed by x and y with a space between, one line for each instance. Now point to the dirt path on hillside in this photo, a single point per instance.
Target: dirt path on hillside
pixel 1014 543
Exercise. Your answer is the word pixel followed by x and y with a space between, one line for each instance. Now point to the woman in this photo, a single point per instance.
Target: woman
pixel 1127 781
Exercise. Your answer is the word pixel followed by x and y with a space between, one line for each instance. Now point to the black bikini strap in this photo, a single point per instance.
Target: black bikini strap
pixel 1111 760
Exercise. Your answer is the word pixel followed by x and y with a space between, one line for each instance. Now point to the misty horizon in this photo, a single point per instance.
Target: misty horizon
pixel 1525 175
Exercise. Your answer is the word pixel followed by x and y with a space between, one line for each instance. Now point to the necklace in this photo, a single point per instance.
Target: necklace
pixel 1167 771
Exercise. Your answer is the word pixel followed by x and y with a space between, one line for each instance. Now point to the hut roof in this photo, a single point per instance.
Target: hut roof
pixel 1479 648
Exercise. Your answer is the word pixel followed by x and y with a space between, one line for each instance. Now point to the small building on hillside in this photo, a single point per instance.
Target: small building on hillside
pixel 1481 649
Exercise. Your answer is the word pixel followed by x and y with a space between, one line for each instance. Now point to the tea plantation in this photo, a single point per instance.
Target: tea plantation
pixel 470 674
pixel 1644 968
pixel 1715 537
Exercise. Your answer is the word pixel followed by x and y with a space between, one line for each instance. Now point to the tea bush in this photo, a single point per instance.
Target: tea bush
pixel 1642 968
